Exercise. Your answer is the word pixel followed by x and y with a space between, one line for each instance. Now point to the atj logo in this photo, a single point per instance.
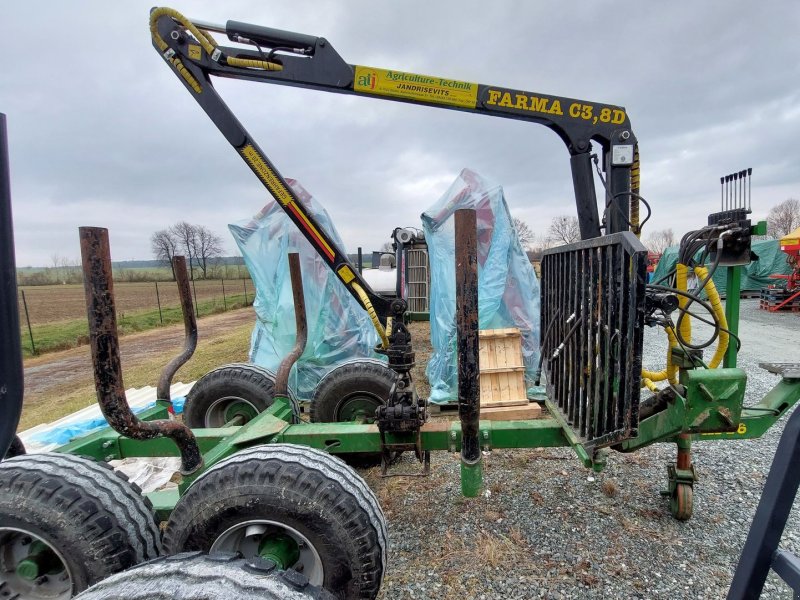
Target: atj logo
pixel 368 80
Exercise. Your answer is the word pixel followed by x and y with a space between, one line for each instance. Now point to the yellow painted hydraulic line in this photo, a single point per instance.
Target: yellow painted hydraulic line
pixel 372 314
pixel 634 204
pixel 719 313
pixel 208 43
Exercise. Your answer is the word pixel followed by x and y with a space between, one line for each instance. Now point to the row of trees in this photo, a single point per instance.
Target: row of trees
pixel 782 219
pixel 197 243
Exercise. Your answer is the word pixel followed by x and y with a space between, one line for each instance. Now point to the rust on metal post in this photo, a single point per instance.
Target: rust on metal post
pixel 684 461
pixel 467 332
pixel 190 327
pixel 282 378
pixel 99 287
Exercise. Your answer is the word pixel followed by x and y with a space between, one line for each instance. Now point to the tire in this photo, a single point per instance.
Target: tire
pixel 295 491
pixel 17 448
pixel 353 391
pixel 681 502
pixel 90 521
pixel 195 575
pixel 367 380
pixel 238 388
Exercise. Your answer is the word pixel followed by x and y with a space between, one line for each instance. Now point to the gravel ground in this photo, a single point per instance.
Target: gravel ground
pixel 547 528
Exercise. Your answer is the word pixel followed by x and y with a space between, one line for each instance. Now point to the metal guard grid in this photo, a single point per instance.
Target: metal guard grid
pixel 592 323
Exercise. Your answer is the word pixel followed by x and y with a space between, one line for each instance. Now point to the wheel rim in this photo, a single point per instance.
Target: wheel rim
pixel 682 502
pixel 357 407
pixel 225 409
pixel 53 580
pixel 247 537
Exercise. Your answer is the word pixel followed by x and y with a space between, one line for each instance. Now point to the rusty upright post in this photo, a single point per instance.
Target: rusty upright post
pixel 282 378
pixel 190 328
pixel 99 287
pixel 467 336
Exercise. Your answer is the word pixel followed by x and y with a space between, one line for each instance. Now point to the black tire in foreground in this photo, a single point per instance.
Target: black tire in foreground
pixel 17 448
pixel 67 522
pixel 198 576
pixel 238 389
pixel 309 500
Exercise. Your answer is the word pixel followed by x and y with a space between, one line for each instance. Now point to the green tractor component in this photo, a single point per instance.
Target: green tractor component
pixel 259 482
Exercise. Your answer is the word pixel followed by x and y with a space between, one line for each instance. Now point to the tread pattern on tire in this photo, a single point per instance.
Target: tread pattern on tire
pixel 335 473
pixel 368 369
pixel 245 372
pixel 117 524
pixel 219 576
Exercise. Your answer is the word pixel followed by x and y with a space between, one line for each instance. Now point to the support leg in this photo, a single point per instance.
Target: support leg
pixel 681 478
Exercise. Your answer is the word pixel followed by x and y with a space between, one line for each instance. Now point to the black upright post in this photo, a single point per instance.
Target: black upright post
pixel 468 353
pixel 771 515
pixel 585 196
pixel 11 373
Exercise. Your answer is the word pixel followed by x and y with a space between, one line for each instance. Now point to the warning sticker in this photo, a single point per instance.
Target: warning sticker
pixel 426 88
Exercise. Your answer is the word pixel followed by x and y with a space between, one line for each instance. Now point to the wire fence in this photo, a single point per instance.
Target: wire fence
pixel 51 315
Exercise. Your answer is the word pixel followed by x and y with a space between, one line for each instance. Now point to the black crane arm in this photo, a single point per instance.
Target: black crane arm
pixel 301 60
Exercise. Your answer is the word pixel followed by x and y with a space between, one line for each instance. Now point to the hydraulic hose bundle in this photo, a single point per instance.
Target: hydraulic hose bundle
pixel 695 248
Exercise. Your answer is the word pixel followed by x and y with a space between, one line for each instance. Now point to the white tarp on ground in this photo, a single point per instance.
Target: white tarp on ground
pixel 148 473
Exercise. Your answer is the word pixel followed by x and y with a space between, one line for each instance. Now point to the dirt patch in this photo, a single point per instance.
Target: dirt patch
pixel 74 367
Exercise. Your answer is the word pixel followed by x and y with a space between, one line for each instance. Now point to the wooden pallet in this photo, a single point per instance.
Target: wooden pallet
pixel 532 410
pixel 502 369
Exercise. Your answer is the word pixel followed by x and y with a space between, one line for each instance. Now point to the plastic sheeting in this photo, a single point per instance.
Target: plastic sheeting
pixel 63 434
pixel 338 328
pixel 755 276
pixel 508 291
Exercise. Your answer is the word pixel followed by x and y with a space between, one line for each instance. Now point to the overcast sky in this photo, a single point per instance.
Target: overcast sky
pixel 102 133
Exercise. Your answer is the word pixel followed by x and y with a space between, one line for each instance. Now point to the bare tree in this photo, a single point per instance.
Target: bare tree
pixel 661 240
pixel 524 233
pixel 783 218
pixel 185 235
pixel 208 246
pixel 564 229
pixel 163 245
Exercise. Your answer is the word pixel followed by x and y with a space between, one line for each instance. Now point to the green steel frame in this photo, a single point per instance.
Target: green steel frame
pixel 712 411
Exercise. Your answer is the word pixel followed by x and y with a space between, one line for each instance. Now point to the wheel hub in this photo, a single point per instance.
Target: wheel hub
pixel 357 408
pixel 225 410
pixel 31 569
pixel 281 543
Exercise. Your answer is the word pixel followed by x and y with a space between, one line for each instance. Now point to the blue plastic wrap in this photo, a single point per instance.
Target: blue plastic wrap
pixel 507 286
pixel 65 433
pixel 338 328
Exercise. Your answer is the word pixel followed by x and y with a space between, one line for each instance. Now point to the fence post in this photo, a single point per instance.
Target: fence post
pixel 196 308
pixel 224 299
pixel 28 319
pixel 360 261
pixel 158 299
pixel 244 284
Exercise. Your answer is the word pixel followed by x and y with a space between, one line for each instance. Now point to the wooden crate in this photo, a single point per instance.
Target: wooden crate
pixel 502 369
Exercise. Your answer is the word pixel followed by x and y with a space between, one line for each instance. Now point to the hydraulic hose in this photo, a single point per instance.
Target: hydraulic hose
pixel 634 204
pixel 208 43
pixel 719 313
pixel 376 322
